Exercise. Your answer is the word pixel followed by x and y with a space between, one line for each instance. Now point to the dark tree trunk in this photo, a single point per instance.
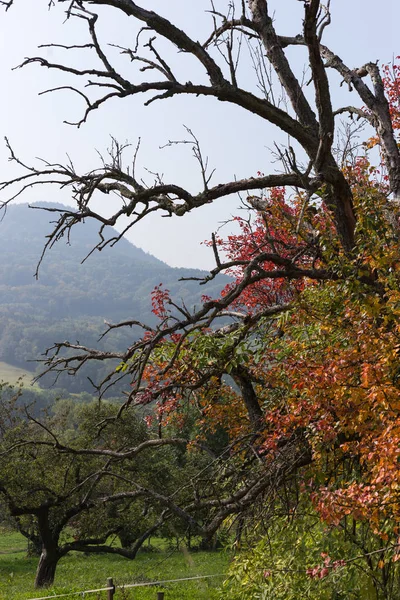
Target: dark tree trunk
pixel 46 569
pixel 34 547
pixel 127 538
pixel 243 381
pixel 210 543
pixel 51 554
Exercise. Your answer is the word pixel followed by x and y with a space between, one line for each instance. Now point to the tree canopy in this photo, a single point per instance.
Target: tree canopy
pixel 70 487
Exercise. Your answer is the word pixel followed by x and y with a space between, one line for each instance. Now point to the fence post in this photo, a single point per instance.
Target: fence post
pixel 111 592
pixel 160 595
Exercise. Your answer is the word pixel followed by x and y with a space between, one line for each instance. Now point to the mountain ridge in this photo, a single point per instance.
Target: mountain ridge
pixel 71 300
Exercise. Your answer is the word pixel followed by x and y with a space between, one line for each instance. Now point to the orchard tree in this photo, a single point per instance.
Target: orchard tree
pixel 69 487
pixel 303 371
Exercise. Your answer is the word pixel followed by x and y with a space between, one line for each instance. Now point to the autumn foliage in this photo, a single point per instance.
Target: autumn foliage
pixel 391 81
pixel 327 366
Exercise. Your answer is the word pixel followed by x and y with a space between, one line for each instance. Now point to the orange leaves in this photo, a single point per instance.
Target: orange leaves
pixel 340 374
pixel 222 407
pixel 330 367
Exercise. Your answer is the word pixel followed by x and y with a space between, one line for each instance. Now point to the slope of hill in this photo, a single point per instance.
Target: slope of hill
pixel 70 300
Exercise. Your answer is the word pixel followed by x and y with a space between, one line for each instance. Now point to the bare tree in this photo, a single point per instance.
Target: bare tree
pixel 310 124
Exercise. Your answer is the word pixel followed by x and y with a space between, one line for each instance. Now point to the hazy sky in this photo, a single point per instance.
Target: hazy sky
pixel 236 143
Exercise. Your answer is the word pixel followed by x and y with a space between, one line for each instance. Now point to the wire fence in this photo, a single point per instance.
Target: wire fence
pixel 111 588
pixel 105 589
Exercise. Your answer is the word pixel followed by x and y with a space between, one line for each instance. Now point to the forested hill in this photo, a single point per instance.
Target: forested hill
pixel 71 300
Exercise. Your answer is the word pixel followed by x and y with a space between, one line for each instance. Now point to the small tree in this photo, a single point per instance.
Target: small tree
pixel 64 498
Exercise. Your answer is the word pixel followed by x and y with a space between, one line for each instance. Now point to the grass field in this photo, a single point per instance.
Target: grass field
pixel 77 573
pixel 11 374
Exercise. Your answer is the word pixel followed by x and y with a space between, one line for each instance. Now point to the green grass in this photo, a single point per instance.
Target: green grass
pixel 12 375
pixel 78 572
pixel 11 542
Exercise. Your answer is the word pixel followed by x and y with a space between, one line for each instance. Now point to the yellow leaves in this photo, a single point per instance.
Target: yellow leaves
pixel 220 406
pixel 372 142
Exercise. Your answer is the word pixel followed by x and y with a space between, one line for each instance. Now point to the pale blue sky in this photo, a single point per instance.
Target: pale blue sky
pixel 237 144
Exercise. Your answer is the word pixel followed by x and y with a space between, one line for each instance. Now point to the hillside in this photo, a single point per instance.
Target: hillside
pixel 71 300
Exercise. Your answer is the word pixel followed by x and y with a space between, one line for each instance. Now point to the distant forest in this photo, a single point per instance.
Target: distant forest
pixel 70 300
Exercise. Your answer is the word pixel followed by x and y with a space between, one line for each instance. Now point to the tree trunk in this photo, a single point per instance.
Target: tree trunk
pixel 46 569
pixel 34 547
pixel 243 381
pixel 127 538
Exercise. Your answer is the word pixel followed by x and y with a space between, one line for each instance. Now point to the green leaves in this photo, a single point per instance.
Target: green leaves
pixel 298 558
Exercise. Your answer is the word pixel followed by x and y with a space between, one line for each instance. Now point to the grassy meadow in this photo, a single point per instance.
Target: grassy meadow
pixel 13 375
pixel 78 572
